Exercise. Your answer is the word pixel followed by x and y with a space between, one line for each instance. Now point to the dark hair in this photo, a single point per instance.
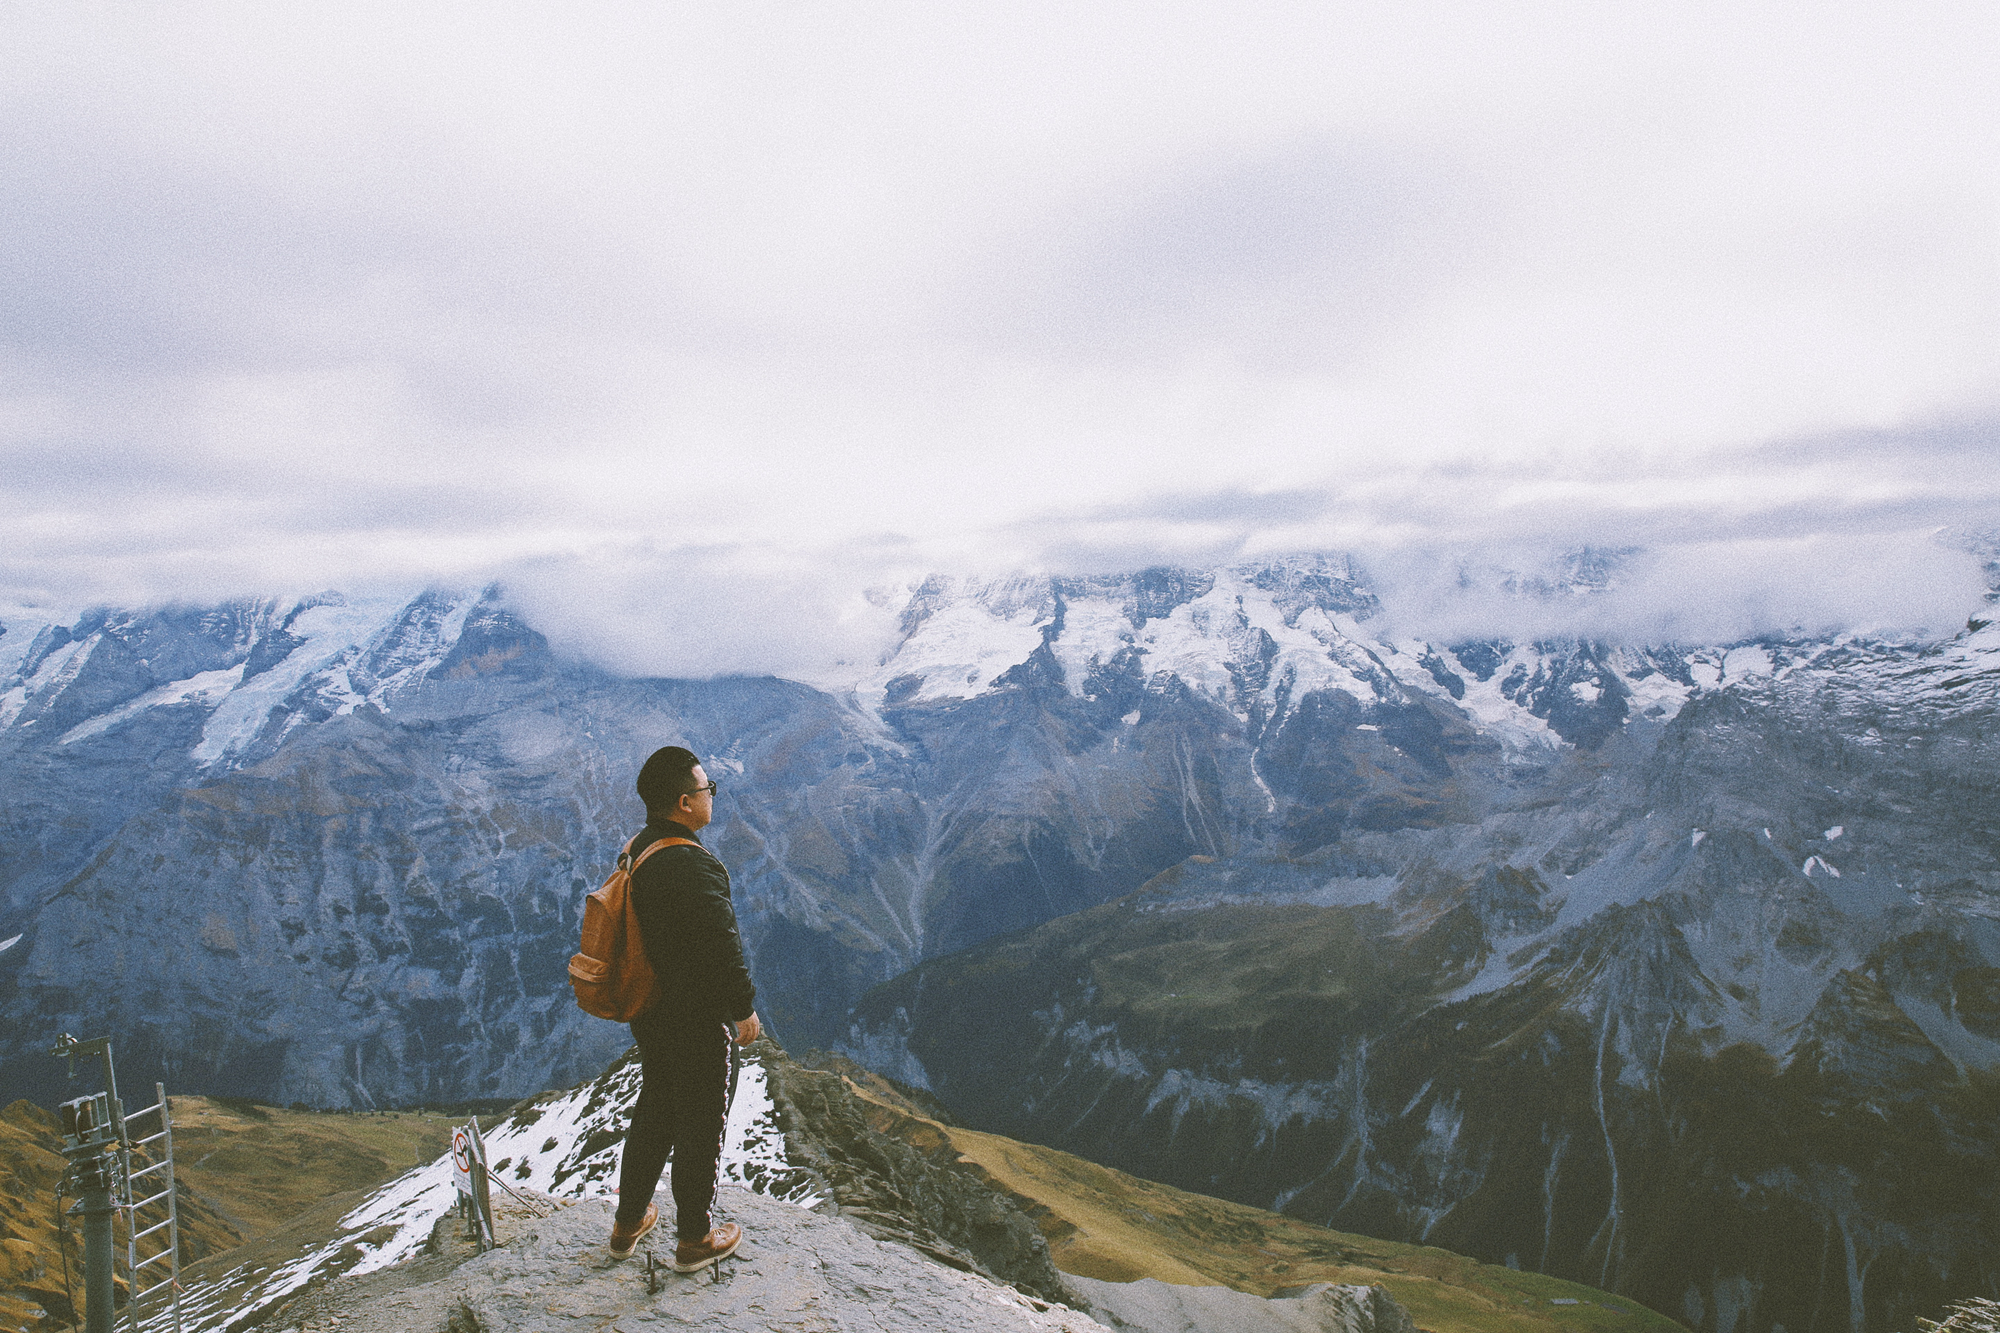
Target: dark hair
pixel 666 777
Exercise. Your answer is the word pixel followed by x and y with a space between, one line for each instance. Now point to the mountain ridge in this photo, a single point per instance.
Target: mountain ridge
pixel 348 875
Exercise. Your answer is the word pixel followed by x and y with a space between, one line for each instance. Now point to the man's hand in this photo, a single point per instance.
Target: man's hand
pixel 748 1030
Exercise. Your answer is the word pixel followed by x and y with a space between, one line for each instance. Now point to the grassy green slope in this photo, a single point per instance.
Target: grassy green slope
pixel 1105 1224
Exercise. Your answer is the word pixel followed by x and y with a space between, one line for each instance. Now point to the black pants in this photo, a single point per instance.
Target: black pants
pixel 688 1072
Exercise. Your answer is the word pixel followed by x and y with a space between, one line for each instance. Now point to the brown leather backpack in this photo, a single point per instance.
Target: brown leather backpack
pixel 610 973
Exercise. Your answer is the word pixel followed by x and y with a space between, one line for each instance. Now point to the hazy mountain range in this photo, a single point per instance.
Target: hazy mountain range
pixel 1671 968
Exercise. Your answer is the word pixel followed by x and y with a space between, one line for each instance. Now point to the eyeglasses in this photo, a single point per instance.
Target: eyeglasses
pixel 710 789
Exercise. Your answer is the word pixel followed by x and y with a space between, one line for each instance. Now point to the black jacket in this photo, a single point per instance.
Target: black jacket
pixel 686 922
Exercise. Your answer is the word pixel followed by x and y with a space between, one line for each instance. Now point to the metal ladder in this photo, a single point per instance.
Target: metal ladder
pixel 136 1228
pixel 98 1141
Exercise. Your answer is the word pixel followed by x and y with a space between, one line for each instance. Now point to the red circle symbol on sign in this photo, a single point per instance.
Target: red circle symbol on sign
pixel 461 1150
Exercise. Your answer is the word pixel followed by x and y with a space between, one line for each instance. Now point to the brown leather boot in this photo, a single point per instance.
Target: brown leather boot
pixel 623 1242
pixel 693 1255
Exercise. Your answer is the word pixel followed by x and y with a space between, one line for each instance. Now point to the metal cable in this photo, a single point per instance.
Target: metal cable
pixel 62 1246
pixel 530 1204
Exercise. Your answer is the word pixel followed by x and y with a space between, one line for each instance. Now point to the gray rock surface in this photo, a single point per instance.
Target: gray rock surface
pixel 797 1270
pixel 1152 1306
pixel 894 1191
pixel 796 1136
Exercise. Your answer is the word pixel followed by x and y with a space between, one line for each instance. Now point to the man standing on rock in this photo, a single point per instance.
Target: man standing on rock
pixel 702 999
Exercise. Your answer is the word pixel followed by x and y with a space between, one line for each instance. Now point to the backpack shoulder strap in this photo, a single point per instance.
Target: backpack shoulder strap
pixel 663 842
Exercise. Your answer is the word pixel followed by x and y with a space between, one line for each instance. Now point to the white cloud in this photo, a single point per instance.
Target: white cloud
pixel 691 611
pixel 1701 592
pixel 301 296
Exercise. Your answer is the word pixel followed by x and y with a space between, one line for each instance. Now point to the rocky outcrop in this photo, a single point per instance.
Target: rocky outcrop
pixel 1150 1306
pixel 851 1220
pixel 914 1192
pixel 795 1269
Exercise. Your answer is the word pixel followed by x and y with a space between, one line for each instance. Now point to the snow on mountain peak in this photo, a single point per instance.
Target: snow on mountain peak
pixel 239 661
pixel 1232 634
pixel 1253 638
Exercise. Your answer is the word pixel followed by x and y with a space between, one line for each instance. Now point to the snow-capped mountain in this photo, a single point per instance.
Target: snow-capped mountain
pixel 1673 970
pixel 1540 948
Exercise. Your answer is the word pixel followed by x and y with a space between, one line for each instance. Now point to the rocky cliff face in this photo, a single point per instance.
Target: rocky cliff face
pixel 1545 947
pixel 353 877
pixel 1687 1014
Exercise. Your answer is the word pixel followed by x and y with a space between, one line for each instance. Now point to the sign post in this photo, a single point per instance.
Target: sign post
pixel 468 1172
pixel 482 1198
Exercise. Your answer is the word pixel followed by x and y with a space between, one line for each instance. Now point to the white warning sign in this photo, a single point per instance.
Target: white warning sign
pixel 468 1173
pixel 461 1159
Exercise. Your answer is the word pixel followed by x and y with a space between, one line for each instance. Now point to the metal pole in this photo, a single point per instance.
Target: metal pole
pixel 94 1140
pixel 482 1197
pixel 93 1178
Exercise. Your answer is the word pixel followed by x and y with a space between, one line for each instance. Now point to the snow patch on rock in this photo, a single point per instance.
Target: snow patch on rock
pixel 564 1145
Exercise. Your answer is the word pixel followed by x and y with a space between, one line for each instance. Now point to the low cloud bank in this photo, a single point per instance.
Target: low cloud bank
pixel 827 619
pixel 703 612
pixel 1898 585
pixel 827 615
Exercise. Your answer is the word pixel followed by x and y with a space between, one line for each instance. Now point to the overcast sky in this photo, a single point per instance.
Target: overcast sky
pixel 784 300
